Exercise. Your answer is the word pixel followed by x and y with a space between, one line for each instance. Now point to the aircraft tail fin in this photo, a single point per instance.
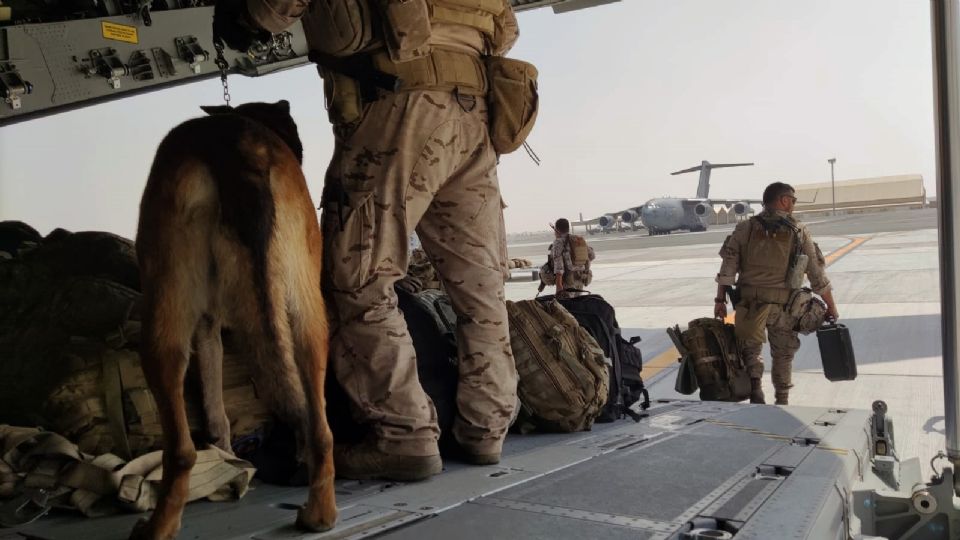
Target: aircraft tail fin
pixel 703 188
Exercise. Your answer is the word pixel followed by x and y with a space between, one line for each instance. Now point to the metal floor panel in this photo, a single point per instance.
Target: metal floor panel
pixel 658 482
pixel 484 522
pixel 622 480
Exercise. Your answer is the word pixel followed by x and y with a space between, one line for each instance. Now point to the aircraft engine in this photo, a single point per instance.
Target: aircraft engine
pixel 702 209
pixel 607 221
pixel 629 216
pixel 740 208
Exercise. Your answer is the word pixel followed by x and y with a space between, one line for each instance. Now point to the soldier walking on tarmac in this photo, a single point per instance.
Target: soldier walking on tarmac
pixel 407 95
pixel 767 257
pixel 568 263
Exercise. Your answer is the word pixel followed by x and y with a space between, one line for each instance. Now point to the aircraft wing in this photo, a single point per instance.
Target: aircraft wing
pixel 728 202
pixel 594 221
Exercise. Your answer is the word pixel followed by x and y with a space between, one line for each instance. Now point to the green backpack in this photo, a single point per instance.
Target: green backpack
pixel 563 375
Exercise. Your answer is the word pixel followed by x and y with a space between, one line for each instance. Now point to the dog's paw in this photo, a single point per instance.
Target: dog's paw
pixel 144 530
pixel 318 524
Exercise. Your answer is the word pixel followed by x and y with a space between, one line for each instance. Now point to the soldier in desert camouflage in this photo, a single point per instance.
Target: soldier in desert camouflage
pixel 414 154
pixel 758 258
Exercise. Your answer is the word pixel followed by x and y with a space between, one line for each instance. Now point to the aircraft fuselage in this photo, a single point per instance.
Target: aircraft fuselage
pixel 665 215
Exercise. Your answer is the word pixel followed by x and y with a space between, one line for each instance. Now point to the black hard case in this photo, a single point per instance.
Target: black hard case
pixel 836 352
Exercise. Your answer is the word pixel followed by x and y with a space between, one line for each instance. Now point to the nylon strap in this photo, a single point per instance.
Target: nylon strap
pixel 113 401
pixel 442 69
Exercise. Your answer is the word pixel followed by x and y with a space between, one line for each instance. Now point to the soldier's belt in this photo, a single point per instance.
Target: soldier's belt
pixel 442 69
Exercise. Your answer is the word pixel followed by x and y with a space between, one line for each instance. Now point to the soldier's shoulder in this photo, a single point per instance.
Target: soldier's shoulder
pixel 801 226
pixel 743 227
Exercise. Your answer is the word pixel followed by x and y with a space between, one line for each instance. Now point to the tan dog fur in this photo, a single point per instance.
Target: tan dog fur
pixel 228 237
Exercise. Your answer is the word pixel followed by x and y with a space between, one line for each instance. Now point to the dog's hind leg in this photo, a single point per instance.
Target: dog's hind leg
pixel 209 360
pixel 165 353
pixel 311 337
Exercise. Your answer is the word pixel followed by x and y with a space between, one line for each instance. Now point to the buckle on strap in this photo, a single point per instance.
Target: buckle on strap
pixel 24 508
pixel 360 68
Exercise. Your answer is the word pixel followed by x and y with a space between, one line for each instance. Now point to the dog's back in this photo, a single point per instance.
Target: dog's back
pixel 228 236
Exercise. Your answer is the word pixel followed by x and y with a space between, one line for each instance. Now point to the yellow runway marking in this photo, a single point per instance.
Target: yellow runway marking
pixel 836 254
pixel 670 356
pixel 662 361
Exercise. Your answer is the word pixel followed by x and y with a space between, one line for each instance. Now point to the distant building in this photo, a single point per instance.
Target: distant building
pixel 723 215
pixel 863 195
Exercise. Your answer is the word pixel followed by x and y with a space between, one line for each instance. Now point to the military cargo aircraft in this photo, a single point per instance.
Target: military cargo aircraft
pixel 689 471
pixel 664 215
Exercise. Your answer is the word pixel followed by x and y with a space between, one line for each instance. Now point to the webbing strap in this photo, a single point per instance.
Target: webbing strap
pixel 442 69
pixel 38 460
pixel 216 475
pixel 481 21
pixel 113 402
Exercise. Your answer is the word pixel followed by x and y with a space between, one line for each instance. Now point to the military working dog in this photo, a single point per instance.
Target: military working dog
pixel 228 237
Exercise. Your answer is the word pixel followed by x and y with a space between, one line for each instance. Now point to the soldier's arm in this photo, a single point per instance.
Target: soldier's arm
pixel 276 15
pixel 817 274
pixel 816 264
pixel 730 255
pixel 506 29
pixel 556 261
pixel 729 267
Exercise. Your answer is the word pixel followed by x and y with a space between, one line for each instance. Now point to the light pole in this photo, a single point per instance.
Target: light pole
pixel 833 187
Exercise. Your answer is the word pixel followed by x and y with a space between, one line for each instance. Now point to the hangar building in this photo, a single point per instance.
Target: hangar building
pixel 863 194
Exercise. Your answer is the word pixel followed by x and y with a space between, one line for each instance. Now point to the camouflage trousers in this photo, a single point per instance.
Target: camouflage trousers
pixel 784 344
pixel 418 160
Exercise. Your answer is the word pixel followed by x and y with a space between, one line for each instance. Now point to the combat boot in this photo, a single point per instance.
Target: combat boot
pixel 756 391
pixel 364 461
pixel 782 397
pixel 459 452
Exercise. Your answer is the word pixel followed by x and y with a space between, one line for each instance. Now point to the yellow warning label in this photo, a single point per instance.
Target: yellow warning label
pixel 119 32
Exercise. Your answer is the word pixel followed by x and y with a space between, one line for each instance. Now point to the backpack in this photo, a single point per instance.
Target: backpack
pixel 626 387
pixel 579 251
pixel 432 324
pixel 711 347
pixel 563 376
pixel 70 330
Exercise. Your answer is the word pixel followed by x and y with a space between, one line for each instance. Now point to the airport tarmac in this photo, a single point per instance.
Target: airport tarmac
pixel 884 268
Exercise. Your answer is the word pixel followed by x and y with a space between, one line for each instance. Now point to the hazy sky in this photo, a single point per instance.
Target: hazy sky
pixel 629 93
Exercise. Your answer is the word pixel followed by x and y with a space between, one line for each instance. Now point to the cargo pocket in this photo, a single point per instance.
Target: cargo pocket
pixel 513 102
pixel 339 27
pixel 350 252
pixel 345 107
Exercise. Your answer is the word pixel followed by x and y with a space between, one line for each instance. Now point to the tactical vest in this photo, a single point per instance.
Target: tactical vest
pixel 397 35
pixel 769 249
pixel 364 47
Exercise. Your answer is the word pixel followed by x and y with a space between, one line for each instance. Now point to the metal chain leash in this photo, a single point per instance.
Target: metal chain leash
pixel 222 64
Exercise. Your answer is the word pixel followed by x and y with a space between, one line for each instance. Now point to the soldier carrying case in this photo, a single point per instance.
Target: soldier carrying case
pixel 836 352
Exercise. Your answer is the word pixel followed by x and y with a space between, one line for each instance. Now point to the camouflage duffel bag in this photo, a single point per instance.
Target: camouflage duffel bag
pixel 563 375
